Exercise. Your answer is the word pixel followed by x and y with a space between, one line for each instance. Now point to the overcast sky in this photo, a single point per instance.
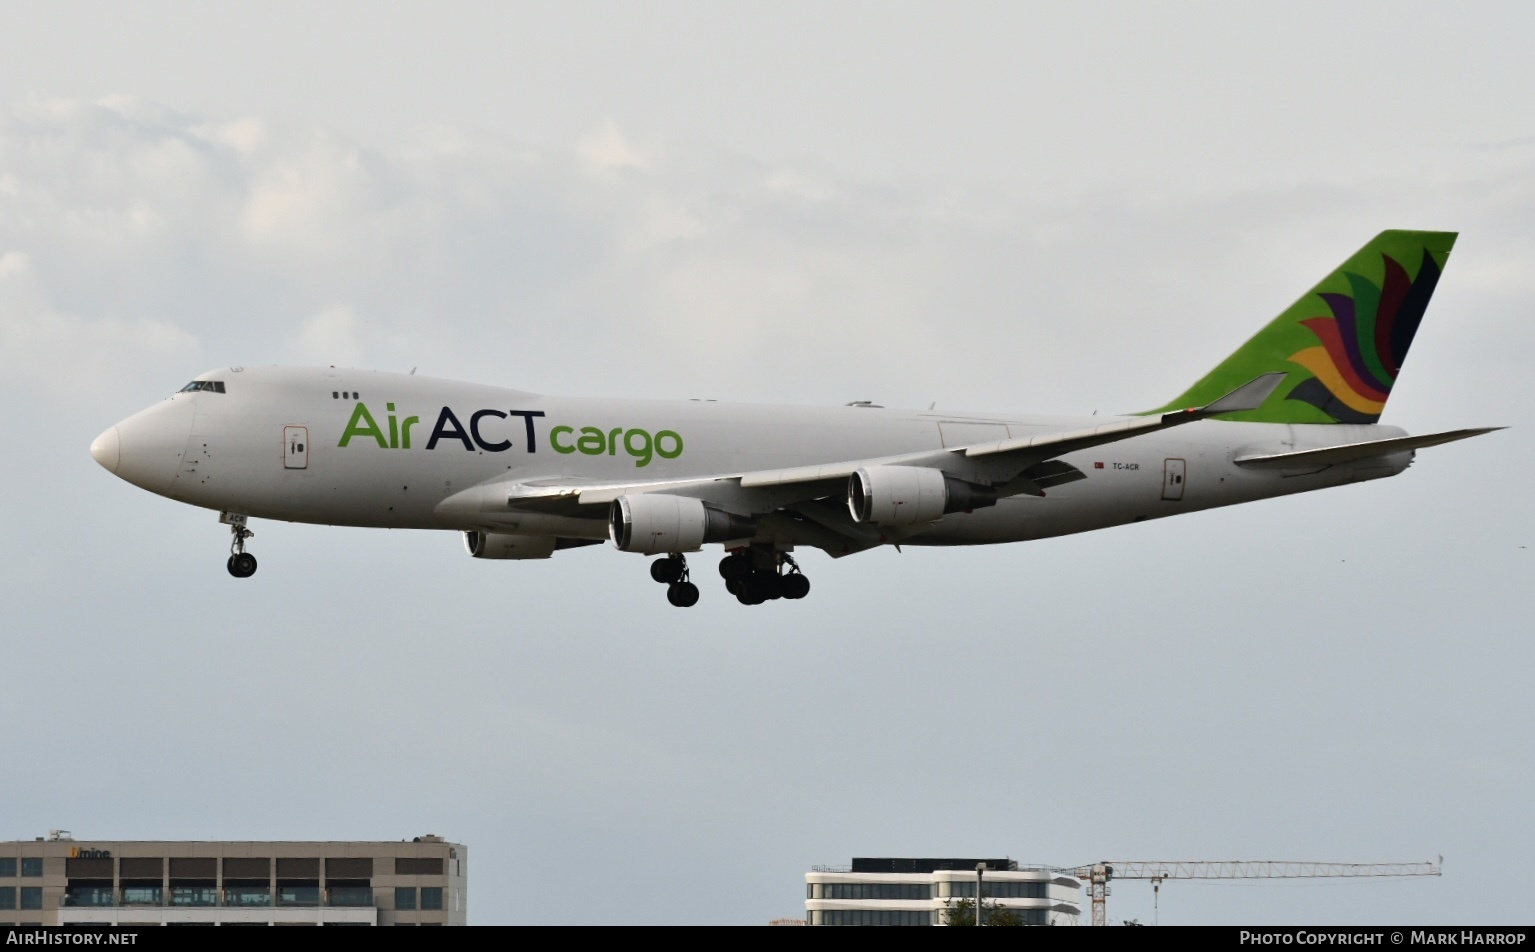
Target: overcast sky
pixel 1052 208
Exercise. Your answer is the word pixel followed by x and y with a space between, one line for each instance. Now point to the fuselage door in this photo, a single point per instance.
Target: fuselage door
pixel 295 443
pixel 1172 479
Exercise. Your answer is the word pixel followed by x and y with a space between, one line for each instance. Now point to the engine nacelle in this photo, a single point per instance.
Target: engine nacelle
pixel 655 523
pixel 507 545
pixel 908 495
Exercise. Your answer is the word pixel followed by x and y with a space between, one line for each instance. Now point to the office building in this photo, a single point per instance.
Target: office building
pixel 917 892
pixel 61 881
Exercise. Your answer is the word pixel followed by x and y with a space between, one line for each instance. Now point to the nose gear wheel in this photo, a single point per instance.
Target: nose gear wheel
pixel 241 563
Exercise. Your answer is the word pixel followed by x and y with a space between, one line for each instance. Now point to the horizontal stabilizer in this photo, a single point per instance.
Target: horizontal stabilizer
pixel 1328 455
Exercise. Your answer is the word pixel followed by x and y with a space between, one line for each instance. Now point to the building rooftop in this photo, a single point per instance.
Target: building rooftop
pixel 901 864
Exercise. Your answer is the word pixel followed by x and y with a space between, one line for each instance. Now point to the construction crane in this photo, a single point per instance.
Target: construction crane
pixel 1099 875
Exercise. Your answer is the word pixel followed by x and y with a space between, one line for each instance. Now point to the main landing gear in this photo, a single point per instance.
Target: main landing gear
pixel 759 574
pixel 753 575
pixel 241 563
pixel 672 571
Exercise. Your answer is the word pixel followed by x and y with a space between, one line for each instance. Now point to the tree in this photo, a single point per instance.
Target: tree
pixel 961 912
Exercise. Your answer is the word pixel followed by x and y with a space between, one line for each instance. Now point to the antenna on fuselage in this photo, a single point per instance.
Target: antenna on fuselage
pixel 412 372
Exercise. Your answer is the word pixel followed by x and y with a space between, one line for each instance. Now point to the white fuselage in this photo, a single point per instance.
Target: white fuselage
pixel 271 446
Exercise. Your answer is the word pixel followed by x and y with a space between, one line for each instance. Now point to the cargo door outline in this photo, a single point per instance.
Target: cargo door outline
pixel 1174 471
pixel 295 447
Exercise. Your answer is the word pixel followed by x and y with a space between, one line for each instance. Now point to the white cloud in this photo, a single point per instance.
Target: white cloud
pixel 245 136
pixel 41 344
pixel 478 257
pixel 317 198
pixel 606 148
pixel 330 337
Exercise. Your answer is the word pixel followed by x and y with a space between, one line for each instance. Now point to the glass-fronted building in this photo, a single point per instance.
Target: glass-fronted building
pixel 62 881
pixel 899 891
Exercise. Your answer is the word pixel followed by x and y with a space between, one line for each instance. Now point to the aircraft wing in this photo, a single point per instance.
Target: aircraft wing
pixel 1001 461
pixel 1349 452
pixel 795 495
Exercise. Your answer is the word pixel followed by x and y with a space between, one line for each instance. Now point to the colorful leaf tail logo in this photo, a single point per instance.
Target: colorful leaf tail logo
pixel 1361 347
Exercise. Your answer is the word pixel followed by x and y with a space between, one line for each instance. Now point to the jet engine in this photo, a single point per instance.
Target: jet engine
pixel 655 523
pixel 507 545
pixel 907 495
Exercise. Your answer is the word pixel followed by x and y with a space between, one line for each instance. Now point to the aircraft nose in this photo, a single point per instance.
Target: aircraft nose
pixel 146 449
pixel 106 449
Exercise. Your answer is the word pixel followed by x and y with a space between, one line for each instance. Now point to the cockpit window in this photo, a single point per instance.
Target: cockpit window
pixel 212 386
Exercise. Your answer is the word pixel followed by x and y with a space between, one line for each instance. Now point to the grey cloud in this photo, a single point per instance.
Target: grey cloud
pixel 246 233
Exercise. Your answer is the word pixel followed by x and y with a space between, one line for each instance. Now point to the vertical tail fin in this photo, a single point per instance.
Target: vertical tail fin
pixel 1342 345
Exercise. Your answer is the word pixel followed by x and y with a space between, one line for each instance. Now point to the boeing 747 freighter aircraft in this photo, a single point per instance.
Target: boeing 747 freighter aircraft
pixel 524 475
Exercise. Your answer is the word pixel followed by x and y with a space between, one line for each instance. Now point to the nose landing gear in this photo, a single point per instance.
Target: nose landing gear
pixel 241 563
pixel 761 574
pixel 672 571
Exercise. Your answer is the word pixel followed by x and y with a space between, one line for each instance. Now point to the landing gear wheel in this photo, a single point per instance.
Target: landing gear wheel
pixel 682 594
pixel 794 586
pixel 672 571
pixel 757 588
pixel 668 570
pixel 759 574
pixel 735 567
pixel 242 565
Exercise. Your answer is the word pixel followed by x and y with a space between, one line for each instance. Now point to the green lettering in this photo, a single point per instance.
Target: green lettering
pixel 592 442
pixel 354 427
pixel 405 431
pixel 394 428
pixel 638 443
pixel 642 451
pixel 661 450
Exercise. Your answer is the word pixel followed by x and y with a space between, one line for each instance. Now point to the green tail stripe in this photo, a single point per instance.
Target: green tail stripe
pixel 1343 343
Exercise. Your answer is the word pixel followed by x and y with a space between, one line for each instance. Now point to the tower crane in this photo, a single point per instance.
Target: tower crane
pixel 1099 875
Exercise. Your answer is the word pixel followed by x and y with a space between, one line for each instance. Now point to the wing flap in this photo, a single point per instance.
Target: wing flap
pixel 798 474
pixel 1349 452
pixel 570 498
pixel 835 475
